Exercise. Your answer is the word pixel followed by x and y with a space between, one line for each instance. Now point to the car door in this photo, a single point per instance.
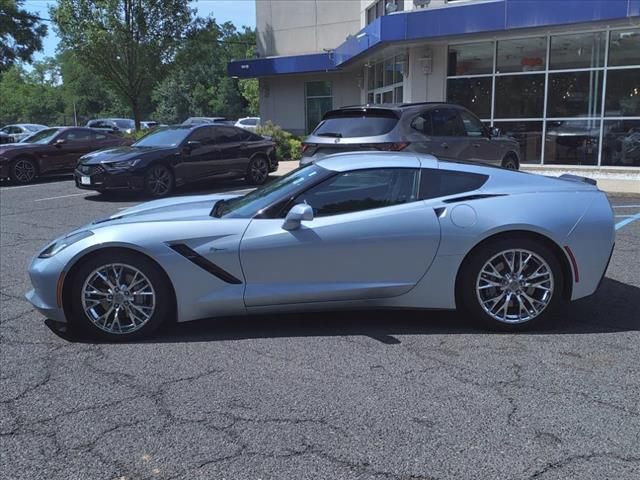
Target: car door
pixel 199 161
pixel 76 142
pixel 233 158
pixel 439 132
pixel 371 238
pixel 478 146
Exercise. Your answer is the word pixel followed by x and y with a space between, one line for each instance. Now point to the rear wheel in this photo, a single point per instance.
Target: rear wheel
pixel 158 181
pixel 23 170
pixel 510 163
pixel 258 171
pixel 511 284
pixel 119 296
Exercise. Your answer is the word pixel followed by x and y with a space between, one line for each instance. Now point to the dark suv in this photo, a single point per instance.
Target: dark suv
pixel 449 132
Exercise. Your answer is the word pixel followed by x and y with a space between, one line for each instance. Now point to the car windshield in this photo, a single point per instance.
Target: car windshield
pixel 164 137
pixel 42 137
pixel 252 203
pixel 124 124
pixel 33 128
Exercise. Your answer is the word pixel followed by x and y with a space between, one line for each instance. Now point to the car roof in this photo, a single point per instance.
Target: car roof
pixel 341 162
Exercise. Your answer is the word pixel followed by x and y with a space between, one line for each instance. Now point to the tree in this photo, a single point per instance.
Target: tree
pixel 21 34
pixel 128 44
pixel 250 90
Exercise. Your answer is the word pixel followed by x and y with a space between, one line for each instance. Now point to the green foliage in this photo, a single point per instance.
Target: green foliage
pixel 250 91
pixel 21 34
pixel 288 146
pixel 126 44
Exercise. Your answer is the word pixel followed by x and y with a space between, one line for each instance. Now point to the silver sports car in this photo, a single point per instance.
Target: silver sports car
pixel 354 230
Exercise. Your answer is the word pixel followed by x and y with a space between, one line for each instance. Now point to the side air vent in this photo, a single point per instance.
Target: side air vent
pixel 468 198
pixel 203 263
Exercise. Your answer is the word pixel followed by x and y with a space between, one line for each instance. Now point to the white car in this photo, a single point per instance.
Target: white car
pixel 248 123
pixel 20 131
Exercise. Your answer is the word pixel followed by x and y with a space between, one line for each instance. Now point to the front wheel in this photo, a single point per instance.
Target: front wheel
pixel 258 171
pixel 158 181
pixel 511 284
pixel 119 296
pixel 510 163
pixel 23 170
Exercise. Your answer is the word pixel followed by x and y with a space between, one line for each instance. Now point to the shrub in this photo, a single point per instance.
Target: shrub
pixel 288 147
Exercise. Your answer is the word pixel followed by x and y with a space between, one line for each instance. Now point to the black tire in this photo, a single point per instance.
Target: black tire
pixel 510 162
pixel 158 181
pixel 23 170
pixel 258 170
pixel 161 311
pixel 469 296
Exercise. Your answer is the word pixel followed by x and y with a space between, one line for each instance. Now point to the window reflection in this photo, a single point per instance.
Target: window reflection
pixel 522 55
pixel 574 94
pixel 471 59
pixel 624 48
pixel 472 93
pixel 583 50
pixel 621 143
pixel 528 135
pixel 519 96
pixel 572 142
pixel 623 93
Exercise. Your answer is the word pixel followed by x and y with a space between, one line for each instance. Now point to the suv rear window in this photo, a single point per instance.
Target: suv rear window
pixel 356 124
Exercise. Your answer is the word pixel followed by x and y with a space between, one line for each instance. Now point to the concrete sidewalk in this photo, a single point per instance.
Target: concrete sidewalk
pixel 616 180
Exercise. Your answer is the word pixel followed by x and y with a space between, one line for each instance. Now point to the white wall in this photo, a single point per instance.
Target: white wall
pixel 294 27
pixel 282 98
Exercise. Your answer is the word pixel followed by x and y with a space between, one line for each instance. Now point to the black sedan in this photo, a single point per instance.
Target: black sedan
pixel 173 156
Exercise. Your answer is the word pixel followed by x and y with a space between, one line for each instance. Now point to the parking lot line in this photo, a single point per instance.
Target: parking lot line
pixel 627 221
pixel 62 196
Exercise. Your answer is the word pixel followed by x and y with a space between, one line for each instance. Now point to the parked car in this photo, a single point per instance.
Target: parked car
pixel 5 138
pixel 172 156
pixel 20 131
pixel 248 123
pixel 447 131
pixel 359 230
pixel 148 124
pixel 201 120
pixel 52 150
pixel 113 125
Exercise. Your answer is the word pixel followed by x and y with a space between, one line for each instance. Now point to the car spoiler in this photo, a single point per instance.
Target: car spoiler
pixel 577 178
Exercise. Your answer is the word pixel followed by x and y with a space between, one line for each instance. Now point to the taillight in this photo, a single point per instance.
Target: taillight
pixel 307 146
pixel 392 147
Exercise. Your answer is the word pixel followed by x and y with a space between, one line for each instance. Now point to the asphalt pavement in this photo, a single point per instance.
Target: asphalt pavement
pixel 357 395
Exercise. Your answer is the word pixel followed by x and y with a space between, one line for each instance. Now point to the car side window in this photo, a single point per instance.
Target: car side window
pixel 76 136
pixel 441 183
pixel 245 135
pixel 362 190
pixel 446 123
pixel 204 135
pixel 422 123
pixel 472 125
pixel 227 134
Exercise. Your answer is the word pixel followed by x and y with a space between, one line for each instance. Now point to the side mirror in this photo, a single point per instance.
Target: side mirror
pixel 58 143
pixel 494 132
pixel 297 214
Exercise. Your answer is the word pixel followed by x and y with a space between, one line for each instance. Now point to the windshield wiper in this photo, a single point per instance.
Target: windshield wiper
pixel 330 134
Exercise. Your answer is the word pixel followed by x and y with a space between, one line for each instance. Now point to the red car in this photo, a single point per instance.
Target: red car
pixel 52 150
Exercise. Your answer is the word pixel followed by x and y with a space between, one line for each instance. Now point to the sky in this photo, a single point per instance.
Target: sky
pixel 239 12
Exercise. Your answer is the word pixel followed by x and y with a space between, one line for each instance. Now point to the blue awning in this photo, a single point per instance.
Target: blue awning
pixel 433 23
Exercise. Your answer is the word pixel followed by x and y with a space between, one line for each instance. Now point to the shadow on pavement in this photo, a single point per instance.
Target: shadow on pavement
pixel 40 180
pixel 613 309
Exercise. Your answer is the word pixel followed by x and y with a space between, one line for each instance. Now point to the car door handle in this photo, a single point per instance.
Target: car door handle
pixel 444 145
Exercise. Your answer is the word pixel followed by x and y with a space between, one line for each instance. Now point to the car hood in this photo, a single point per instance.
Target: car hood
pixel 124 153
pixel 193 207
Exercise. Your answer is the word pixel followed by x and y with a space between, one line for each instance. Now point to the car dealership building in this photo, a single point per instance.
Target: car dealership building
pixel 561 76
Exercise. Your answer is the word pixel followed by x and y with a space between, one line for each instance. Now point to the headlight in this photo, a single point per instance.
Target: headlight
pixel 58 246
pixel 125 164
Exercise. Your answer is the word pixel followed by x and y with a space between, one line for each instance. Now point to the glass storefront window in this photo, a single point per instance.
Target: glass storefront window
pixel 371 78
pixel 318 101
pixel 471 59
pixel 574 94
pixel 572 142
pixel 521 55
pixel 388 72
pixel 582 50
pixel 624 48
pixel 472 93
pixel 621 143
pixel 528 135
pixel 379 75
pixel 399 65
pixel 386 86
pixel 623 93
pixel 398 93
pixel 519 96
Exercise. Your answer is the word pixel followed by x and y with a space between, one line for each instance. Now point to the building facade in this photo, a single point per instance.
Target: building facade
pixel 561 76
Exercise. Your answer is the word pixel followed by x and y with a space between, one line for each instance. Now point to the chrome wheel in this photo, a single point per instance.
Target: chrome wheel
pixel 159 181
pixel 259 170
pixel 118 298
pixel 24 171
pixel 515 286
pixel 510 164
